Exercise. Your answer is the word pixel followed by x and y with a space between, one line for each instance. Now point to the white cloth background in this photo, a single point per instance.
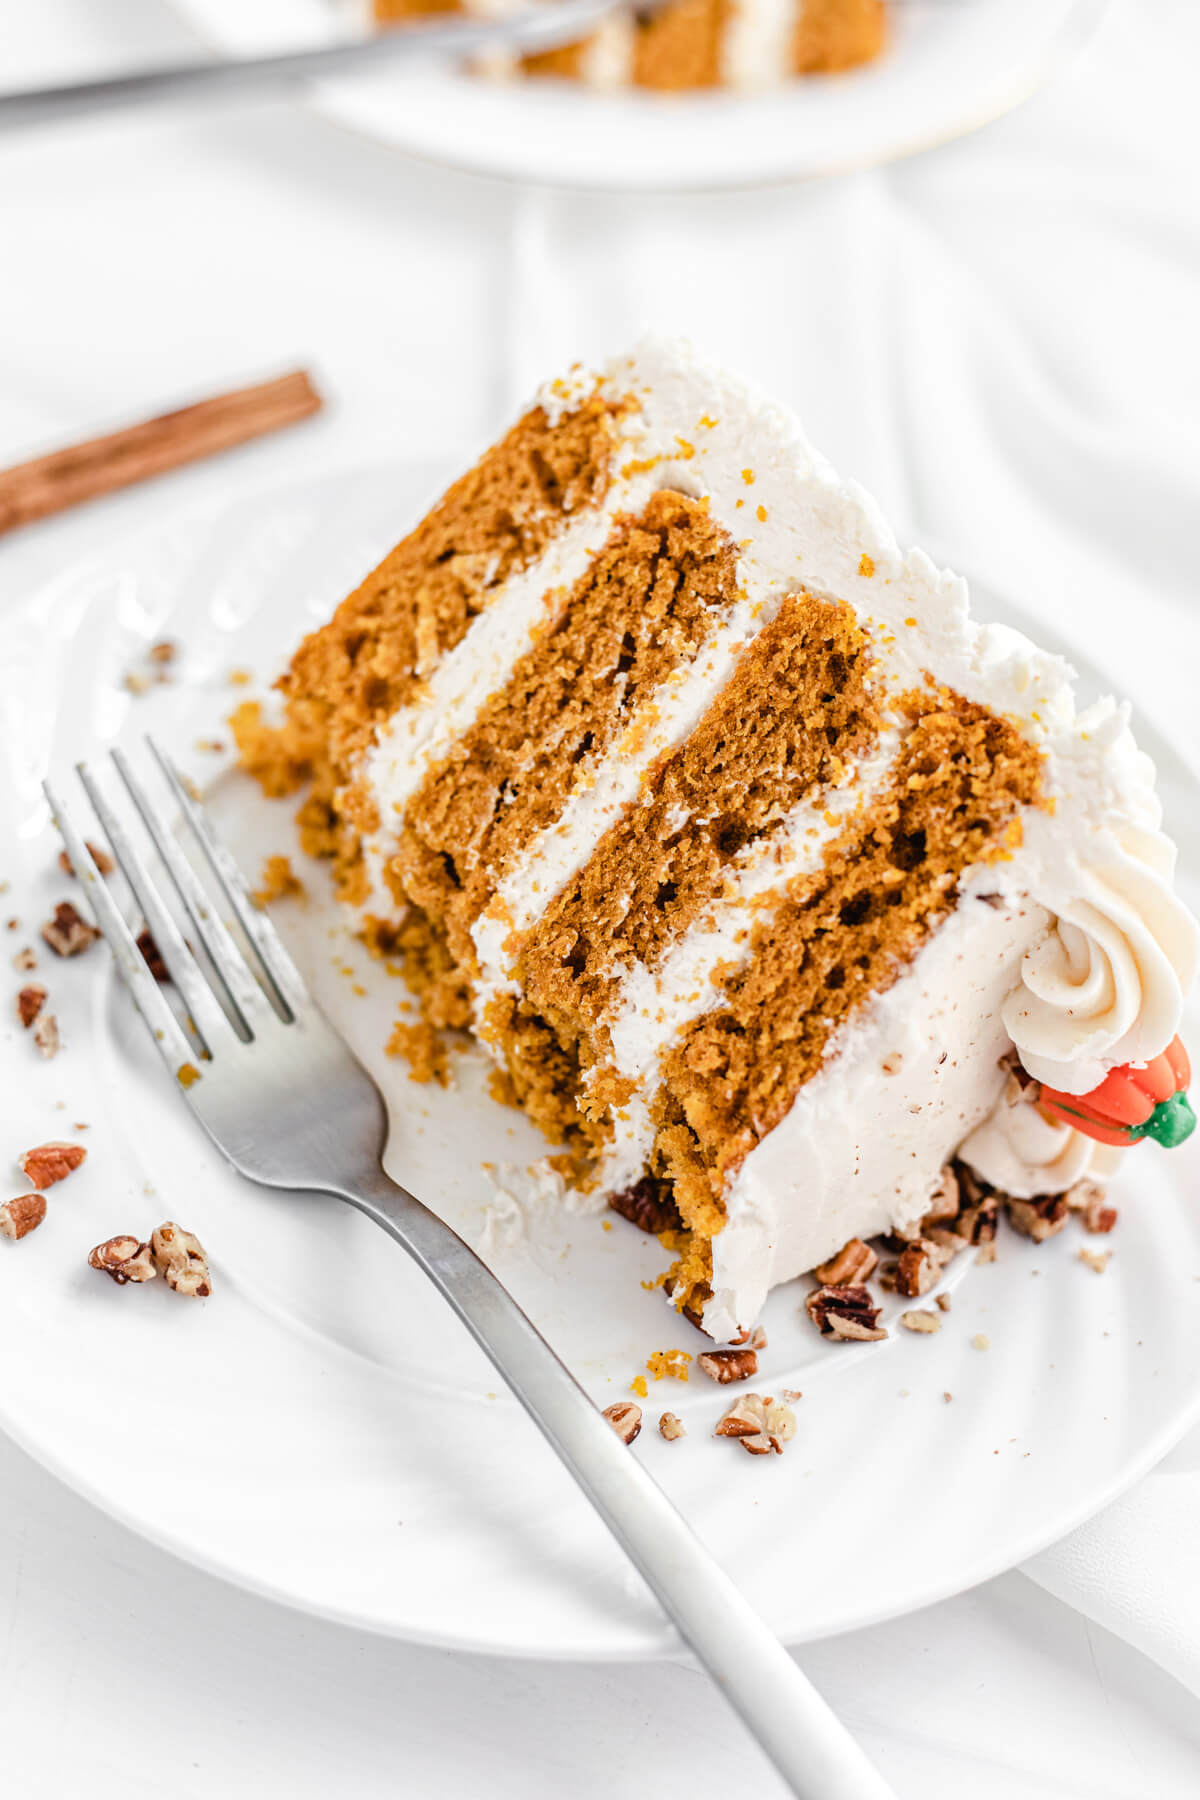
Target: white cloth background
pixel 999 339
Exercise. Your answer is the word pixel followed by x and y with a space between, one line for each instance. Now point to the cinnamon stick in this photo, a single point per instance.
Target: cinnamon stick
pixel 49 484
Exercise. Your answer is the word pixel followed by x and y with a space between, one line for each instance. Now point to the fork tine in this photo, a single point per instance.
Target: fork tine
pixel 211 1026
pixel 165 1029
pixel 278 965
pixel 244 993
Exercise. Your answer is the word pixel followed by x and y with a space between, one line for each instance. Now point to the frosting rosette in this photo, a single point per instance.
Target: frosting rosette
pixel 1106 983
pixel 1021 1152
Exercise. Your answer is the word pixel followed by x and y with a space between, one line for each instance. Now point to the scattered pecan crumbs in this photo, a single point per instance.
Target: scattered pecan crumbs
pixel 137 681
pixel 761 1425
pixel 47 1036
pixel 981 1341
pixel 101 858
pixel 1039 1218
pixel 47 1163
pixel 21 1216
pixel 926 1322
pixel 1097 1260
pixel 942 1302
pixel 648 1205
pixel 854 1263
pixel 945 1200
pixel 30 1002
pixel 164 652
pixel 152 956
pixel 671 1427
pixel 180 1260
pixel 1087 1198
pixel 125 1258
pixel 986 1253
pixel 24 960
pixel 728 1365
pixel 625 1419
pixel 920 1266
pixel 845 1313
pixel 67 933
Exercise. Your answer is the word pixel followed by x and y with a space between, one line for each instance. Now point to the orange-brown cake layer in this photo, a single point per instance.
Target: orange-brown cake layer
pixel 643 609
pixel 796 716
pixel 680 46
pixel 388 636
pixel 837 34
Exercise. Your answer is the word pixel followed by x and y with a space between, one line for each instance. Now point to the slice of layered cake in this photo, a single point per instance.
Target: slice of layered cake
pixel 745 44
pixel 772 881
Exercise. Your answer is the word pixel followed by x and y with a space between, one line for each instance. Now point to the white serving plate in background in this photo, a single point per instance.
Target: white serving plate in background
pixel 952 66
pixel 321 1430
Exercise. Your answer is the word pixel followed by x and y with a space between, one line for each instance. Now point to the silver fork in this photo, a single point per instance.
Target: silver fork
pixel 288 1105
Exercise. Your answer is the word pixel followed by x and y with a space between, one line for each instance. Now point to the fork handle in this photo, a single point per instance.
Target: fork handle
pixel 794 1727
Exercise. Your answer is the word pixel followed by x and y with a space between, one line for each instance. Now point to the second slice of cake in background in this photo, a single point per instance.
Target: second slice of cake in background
pixel 745 44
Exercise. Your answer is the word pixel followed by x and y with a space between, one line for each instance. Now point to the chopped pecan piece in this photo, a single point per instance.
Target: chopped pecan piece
pixel 125 1258
pixel 762 1425
pixel 21 1216
pixel 854 1263
pixel 649 1206
pixel 30 1002
pixel 845 1313
pixel 728 1365
pixel 24 960
pixel 975 1221
pixel 671 1427
pixel 625 1418
pixel 945 1200
pixel 1089 1200
pixel 47 1163
pixel 101 858
pixel 46 1035
pixel 180 1260
pixel 1096 1260
pixel 164 652
pixel 152 956
pixel 919 1268
pixel 921 1321
pixel 1038 1219
pixel 67 933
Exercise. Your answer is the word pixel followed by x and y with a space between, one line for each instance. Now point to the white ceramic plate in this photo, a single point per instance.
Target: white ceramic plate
pixel 320 1430
pixel 952 66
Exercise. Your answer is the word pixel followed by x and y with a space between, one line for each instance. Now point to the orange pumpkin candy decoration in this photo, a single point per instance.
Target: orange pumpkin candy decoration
pixel 1132 1103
